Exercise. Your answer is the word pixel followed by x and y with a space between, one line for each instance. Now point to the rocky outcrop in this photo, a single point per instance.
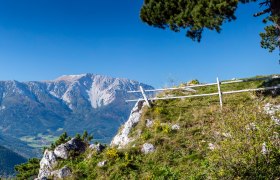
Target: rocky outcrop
pixel 122 139
pixel 50 158
pixel 47 163
pixel 63 151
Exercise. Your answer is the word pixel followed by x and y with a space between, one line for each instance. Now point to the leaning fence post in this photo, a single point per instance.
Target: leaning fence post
pixel 144 96
pixel 220 93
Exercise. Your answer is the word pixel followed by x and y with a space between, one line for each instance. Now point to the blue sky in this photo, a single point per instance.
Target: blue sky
pixel 41 40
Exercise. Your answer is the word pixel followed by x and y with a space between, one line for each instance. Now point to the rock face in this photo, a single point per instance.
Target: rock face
pixel 148 148
pixel 47 163
pixel 63 150
pixel 50 159
pixel 122 139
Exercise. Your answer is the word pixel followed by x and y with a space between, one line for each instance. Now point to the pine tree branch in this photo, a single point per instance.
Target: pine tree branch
pixel 262 12
pixel 266 3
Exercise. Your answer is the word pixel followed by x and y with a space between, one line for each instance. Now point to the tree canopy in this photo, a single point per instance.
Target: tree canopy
pixel 196 16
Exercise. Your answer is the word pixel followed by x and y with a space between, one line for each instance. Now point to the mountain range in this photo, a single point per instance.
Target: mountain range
pixel 34 113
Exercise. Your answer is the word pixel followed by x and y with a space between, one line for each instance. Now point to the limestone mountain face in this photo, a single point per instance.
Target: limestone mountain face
pixel 36 112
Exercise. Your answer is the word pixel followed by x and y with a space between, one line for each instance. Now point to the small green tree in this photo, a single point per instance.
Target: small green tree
pixel 62 139
pixel 28 170
pixel 86 137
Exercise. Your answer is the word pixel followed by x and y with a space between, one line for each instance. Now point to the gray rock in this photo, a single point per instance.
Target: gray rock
pixel 149 123
pixel 63 150
pixel 102 163
pixel 148 148
pixel 227 135
pixel 264 149
pixel 61 173
pixel 97 147
pixel 272 110
pixel 252 126
pixel 47 163
pixel 175 127
pixel 211 146
pixel 122 139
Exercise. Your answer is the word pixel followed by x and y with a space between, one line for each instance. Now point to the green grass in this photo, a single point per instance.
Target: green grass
pixel 39 141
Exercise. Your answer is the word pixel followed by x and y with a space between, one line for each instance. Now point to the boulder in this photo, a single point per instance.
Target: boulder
pixel 148 148
pixel 63 151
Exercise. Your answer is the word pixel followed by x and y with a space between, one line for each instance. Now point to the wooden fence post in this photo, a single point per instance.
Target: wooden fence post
pixel 220 93
pixel 144 96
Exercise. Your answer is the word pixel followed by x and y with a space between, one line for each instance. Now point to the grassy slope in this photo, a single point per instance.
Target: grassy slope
pixel 237 133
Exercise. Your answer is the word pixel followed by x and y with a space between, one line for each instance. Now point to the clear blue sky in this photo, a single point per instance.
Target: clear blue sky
pixel 43 39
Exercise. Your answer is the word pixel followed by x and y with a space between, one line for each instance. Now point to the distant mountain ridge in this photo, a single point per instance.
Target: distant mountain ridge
pixel 36 112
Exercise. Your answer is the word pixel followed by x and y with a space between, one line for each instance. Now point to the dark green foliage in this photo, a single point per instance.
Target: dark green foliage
pixel 8 159
pixel 191 15
pixel 62 139
pixel 86 137
pixel 28 170
pixel 195 16
pixel 270 38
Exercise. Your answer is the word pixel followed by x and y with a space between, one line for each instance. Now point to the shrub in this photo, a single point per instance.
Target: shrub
pixel 112 153
pixel 28 170
pixel 63 138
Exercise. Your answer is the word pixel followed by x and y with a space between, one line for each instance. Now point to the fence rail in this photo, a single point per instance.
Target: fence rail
pixel 189 88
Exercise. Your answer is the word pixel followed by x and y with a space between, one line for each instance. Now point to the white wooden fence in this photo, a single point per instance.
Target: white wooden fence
pixel 189 88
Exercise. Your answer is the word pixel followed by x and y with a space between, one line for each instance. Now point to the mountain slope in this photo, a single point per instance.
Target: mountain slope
pixel 191 139
pixel 8 159
pixel 37 112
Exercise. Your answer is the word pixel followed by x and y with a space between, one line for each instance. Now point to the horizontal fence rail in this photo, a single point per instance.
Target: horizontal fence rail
pixel 189 88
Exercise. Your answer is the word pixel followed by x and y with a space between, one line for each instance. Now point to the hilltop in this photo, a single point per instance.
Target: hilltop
pixel 182 139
